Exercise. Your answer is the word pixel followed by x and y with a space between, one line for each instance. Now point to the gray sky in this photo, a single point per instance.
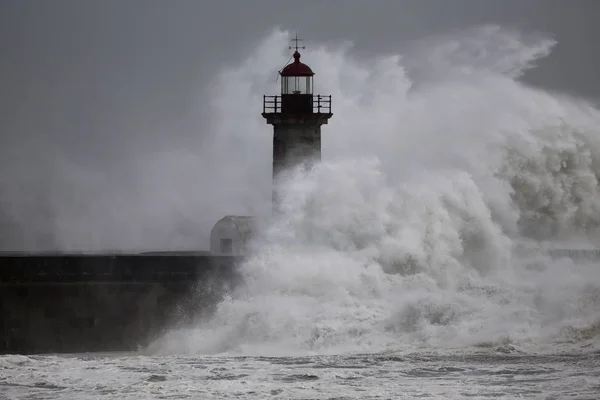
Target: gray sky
pixel 100 82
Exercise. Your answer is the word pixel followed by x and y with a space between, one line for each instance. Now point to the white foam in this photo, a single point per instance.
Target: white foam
pixel 406 234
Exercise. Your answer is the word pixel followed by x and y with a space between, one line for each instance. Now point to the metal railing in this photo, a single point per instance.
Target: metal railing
pixel 320 104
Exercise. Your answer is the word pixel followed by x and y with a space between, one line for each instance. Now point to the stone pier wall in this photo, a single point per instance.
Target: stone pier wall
pixel 83 303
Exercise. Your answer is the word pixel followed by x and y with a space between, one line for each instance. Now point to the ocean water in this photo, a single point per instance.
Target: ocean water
pixel 410 263
pixel 456 374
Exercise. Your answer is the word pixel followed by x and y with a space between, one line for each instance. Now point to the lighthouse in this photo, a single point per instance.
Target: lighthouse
pixel 296 115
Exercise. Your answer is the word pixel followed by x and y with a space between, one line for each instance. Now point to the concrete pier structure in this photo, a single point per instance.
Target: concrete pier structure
pixel 53 303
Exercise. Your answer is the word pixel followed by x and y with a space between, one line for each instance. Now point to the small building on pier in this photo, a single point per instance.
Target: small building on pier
pixel 231 235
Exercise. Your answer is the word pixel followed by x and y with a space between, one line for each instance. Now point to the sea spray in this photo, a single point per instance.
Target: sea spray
pixel 412 230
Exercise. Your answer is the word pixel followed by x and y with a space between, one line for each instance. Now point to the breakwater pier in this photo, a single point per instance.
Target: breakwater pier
pixel 54 303
pixel 71 303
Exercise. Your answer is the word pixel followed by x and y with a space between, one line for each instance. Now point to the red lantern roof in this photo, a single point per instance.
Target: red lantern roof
pixel 297 68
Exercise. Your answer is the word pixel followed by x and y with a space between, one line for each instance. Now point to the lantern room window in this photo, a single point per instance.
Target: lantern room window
pixel 296 85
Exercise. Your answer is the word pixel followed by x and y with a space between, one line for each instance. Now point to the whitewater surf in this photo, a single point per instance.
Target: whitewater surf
pixel 443 174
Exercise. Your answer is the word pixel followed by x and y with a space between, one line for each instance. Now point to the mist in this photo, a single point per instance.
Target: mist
pixel 130 127
pixel 422 228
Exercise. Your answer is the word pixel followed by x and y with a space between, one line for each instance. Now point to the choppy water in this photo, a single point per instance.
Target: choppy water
pixel 502 372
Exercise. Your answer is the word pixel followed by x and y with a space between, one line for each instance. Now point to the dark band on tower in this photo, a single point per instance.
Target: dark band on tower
pixel 296 115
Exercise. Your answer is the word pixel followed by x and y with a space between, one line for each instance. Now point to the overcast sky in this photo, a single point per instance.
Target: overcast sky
pixel 99 79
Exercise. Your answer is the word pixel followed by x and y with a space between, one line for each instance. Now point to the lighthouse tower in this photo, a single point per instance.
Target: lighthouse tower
pixel 296 115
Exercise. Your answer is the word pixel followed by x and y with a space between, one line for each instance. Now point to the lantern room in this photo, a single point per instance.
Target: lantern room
pixel 297 77
pixel 297 87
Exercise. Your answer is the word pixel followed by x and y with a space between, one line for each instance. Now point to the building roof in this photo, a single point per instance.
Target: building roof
pixel 297 68
pixel 243 224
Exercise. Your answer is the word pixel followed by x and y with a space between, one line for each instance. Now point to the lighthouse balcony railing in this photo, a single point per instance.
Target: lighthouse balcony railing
pixel 274 105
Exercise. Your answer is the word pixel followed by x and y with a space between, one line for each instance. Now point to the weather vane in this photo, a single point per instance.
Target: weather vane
pixel 295 46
